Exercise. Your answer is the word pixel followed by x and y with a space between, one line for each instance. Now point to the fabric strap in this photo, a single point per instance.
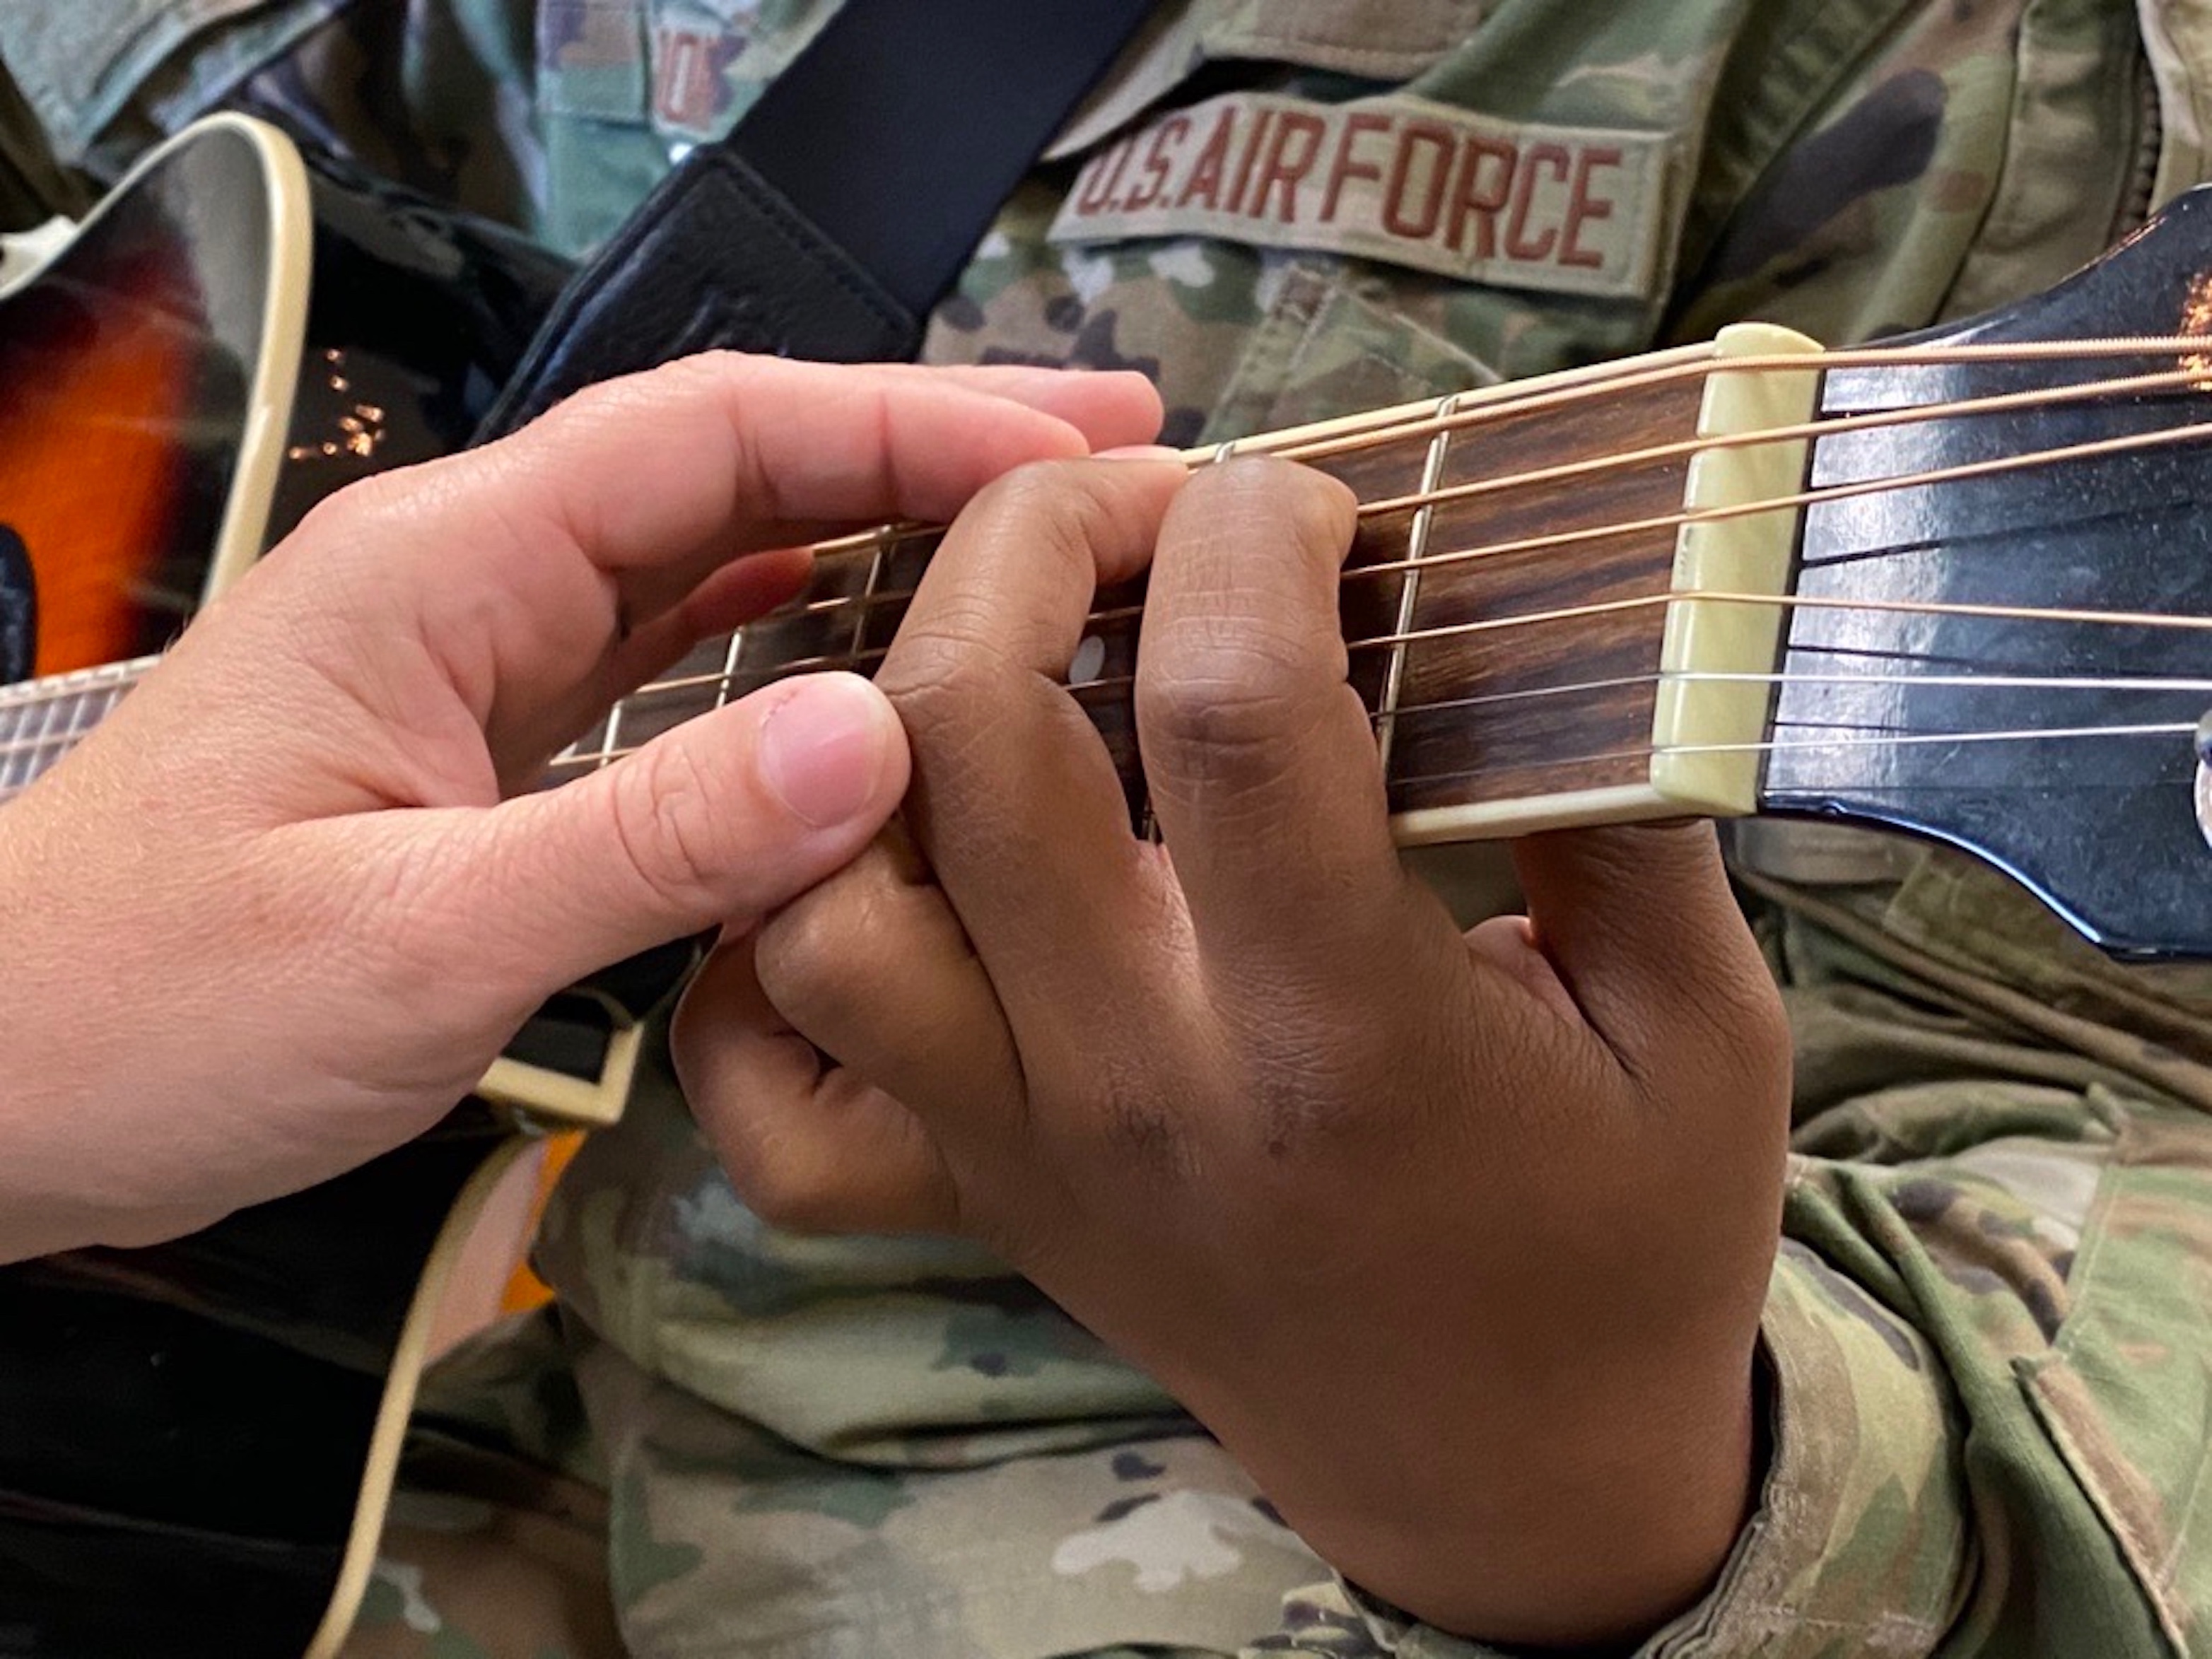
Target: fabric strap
pixel 844 206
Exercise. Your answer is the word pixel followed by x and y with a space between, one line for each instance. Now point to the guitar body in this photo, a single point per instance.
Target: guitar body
pixel 146 374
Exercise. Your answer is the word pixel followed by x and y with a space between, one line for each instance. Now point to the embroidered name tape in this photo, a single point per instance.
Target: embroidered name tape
pixel 1561 209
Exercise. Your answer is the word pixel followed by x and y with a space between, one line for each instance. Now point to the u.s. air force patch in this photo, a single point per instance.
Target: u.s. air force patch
pixel 1558 209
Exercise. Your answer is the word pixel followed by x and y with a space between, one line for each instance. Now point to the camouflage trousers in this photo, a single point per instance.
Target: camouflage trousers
pixel 566 1499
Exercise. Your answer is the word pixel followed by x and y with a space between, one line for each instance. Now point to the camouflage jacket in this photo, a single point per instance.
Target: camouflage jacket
pixel 1987 1333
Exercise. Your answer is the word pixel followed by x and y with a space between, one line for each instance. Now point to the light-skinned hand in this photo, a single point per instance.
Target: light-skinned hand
pixel 279 911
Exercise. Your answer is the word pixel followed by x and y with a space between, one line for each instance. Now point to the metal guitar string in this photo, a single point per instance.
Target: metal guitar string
pixel 1773 745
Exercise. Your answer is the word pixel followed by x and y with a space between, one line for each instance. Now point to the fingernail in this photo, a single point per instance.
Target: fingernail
pixel 1139 452
pixel 822 748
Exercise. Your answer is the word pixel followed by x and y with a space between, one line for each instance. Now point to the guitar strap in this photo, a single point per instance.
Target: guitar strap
pixel 831 220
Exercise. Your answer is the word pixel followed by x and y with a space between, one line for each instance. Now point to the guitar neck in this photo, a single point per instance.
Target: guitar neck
pixel 42 720
pixel 1708 582
pixel 1524 581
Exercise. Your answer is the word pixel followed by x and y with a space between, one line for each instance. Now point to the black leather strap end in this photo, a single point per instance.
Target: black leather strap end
pixel 714 258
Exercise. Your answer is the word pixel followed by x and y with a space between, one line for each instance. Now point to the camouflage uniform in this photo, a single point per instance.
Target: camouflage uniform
pixel 1987 1333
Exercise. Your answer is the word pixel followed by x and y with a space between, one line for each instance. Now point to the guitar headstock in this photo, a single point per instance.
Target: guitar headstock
pixel 2034 693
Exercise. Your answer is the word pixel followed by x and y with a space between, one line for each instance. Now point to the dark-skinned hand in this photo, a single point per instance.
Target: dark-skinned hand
pixel 1459 1241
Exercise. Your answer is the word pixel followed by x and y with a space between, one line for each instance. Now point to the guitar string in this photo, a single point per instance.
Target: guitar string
pixel 1782 746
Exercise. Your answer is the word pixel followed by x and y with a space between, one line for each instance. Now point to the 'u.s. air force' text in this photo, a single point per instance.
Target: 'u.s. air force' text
pixel 1399 180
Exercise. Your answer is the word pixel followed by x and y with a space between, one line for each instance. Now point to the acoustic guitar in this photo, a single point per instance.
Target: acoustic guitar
pixel 1955 585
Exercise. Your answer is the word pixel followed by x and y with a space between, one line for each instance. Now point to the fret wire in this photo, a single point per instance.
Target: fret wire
pixel 56 740
pixel 729 667
pixel 7 768
pixel 1417 544
pixel 41 739
pixel 26 757
pixel 63 736
pixel 868 598
pixel 614 722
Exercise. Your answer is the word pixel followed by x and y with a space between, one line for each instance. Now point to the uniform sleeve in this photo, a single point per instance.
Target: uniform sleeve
pixel 1860 1538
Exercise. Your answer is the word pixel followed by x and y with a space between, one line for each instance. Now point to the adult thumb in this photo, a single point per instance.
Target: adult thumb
pixel 719 820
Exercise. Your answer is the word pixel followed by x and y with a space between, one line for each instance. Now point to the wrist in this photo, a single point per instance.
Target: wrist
pixel 1590 1521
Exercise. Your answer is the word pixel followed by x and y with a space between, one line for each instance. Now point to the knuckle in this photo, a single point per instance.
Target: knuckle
pixel 1138 1124
pixel 944 679
pixel 626 395
pixel 783 1178
pixel 1743 1022
pixel 666 823
pixel 1264 495
pixel 806 957
pixel 1317 1087
pixel 1142 1134
pixel 1037 495
pixel 361 511
pixel 1220 699
pixel 1061 512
